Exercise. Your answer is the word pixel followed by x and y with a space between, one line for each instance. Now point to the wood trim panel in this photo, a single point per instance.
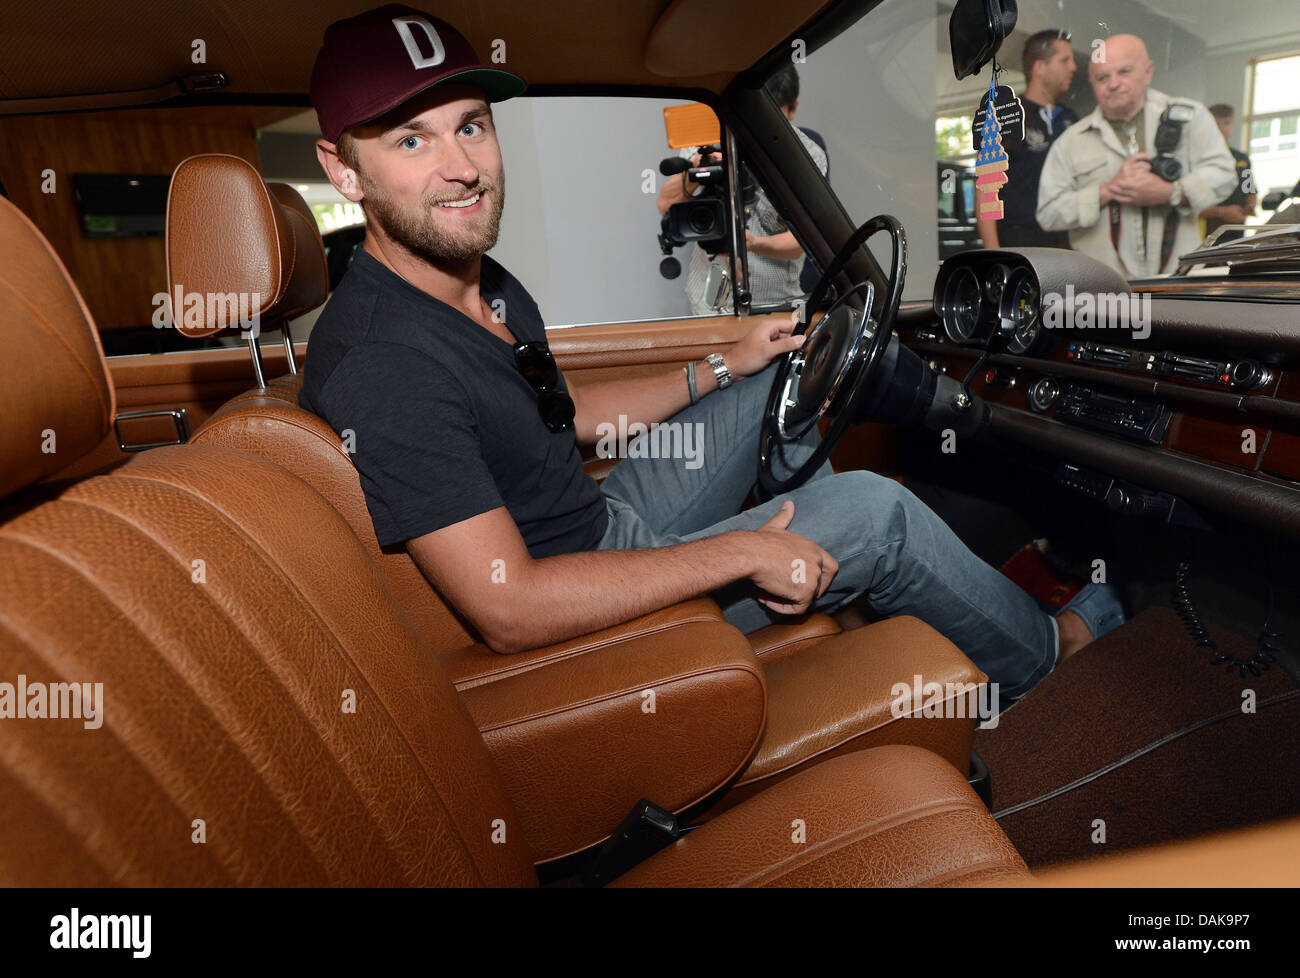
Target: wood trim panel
pixel 1217 438
pixel 118 277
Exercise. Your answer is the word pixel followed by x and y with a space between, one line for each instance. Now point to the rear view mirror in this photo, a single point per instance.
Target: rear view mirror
pixel 976 30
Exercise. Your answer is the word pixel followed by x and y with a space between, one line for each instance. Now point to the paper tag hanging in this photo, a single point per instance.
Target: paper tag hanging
pixel 991 163
pixel 1011 118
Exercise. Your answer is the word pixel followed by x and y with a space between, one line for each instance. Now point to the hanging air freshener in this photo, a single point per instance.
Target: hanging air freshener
pixel 991 162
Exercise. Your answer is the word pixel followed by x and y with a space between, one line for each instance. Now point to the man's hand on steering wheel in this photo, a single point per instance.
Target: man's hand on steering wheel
pixel 761 345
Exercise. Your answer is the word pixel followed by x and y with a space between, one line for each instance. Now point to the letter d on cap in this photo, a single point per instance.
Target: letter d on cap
pixel 403 25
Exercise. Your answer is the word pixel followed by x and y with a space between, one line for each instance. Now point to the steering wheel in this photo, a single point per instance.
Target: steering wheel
pixel 827 376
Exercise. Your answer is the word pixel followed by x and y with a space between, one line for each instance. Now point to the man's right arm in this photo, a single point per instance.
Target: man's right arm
pixel 482 567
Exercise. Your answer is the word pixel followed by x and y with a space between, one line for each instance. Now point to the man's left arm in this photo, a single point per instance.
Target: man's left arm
pixel 651 399
pixel 1212 172
pixel 784 246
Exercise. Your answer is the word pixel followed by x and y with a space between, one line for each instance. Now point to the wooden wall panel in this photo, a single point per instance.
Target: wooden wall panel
pixel 117 277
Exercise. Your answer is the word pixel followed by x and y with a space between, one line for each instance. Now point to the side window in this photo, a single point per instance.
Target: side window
pixel 585 227
pixel 581 223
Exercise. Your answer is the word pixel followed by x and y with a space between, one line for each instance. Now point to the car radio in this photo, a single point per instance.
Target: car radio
pixel 1131 418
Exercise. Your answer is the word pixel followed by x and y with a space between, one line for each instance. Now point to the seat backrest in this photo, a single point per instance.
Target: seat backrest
pixel 252 707
pixel 268 422
pixel 228 239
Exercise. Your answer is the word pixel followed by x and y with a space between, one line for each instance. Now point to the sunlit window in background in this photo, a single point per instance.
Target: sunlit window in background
pixel 1274 123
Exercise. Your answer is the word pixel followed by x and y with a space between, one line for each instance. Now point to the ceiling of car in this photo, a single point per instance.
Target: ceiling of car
pixel 70 48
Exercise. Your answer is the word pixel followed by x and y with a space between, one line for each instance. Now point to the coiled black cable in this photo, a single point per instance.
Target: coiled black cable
pixel 1186 609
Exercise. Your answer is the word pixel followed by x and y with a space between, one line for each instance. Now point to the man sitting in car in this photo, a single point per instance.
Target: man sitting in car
pixel 466 436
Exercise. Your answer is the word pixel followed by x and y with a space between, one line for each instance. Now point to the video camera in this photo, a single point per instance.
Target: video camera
pixel 1168 132
pixel 706 217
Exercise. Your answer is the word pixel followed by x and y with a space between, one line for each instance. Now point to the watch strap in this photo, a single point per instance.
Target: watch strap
pixel 720 371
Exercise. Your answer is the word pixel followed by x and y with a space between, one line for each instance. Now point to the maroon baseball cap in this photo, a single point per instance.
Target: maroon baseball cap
pixel 375 61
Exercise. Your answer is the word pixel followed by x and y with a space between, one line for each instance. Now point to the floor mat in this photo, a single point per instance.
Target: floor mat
pixel 1143 682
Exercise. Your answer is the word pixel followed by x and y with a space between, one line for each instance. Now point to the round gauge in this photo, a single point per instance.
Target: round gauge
pixel 1020 303
pixel 995 282
pixel 961 305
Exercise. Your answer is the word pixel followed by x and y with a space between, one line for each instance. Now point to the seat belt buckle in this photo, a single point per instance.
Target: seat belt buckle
pixel 646 830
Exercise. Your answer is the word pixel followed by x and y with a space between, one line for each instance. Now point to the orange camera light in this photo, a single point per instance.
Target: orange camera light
pixel 693 124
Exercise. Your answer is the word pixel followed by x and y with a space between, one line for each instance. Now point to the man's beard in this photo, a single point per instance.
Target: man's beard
pixel 420 233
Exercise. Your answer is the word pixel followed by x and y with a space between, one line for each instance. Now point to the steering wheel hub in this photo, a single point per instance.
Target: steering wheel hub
pixel 820 367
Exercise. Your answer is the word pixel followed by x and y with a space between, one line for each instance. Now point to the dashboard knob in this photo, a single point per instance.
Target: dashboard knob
pixel 1248 375
pixel 1043 393
pixel 1118 499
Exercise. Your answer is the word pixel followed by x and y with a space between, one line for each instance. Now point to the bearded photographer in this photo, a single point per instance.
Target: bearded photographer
pixel 1128 180
pixel 776 258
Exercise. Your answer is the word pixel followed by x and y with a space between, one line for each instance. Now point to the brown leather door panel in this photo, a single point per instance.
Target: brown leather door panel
pixel 197 381
pixel 200 381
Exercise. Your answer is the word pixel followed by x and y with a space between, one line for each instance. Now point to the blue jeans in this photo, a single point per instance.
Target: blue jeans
pixel 891 547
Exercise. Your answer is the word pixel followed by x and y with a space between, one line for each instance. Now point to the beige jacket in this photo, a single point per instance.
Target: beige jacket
pixel 1089 154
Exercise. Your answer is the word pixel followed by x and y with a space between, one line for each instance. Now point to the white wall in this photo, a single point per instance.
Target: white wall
pixel 578 230
pixel 870 93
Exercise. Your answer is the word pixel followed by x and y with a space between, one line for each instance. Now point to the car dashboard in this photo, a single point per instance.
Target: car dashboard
pixel 1147 402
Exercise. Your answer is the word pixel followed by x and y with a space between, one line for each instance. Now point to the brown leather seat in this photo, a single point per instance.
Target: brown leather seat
pixel 269 715
pixel 827 692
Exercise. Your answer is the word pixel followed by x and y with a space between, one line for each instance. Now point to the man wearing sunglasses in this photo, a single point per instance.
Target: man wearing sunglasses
pixel 466 435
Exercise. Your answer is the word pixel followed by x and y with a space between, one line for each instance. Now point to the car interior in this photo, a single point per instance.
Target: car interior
pixel 287 703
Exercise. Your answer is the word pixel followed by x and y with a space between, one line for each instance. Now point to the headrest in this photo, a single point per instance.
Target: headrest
pixel 56 400
pixel 242 247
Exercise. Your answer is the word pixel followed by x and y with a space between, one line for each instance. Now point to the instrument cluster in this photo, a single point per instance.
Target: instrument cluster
pixel 993 300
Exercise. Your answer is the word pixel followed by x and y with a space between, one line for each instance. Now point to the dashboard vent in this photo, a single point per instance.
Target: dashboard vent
pixel 1192 368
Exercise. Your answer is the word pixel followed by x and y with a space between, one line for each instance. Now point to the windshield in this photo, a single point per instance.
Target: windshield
pixel 1147 127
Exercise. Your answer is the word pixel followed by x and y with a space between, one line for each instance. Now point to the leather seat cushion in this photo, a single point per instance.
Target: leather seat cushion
pixel 892 816
pixel 838 696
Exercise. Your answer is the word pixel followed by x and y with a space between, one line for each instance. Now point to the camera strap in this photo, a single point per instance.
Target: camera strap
pixel 1167 236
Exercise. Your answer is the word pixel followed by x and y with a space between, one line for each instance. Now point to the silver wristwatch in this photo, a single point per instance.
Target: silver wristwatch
pixel 720 370
pixel 1177 196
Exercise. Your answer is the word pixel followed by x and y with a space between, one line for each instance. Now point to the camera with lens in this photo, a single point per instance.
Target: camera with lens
pixel 706 218
pixel 1168 131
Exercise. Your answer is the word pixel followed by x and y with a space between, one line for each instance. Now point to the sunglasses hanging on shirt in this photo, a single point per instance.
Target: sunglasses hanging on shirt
pixel 535 362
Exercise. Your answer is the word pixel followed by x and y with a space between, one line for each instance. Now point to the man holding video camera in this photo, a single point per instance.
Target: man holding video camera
pixel 775 256
pixel 1128 180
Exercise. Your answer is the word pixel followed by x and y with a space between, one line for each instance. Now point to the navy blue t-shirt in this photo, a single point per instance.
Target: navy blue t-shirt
pixel 444 425
pixel 1025 168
